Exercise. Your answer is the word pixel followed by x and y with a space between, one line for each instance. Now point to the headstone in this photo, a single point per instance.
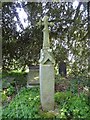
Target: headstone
pixel 33 76
pixel 62 69
pixel 46 70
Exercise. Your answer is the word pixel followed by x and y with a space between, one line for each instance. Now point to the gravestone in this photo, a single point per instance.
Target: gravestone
pixel 62 68
pixel 33 76
pixel 46 70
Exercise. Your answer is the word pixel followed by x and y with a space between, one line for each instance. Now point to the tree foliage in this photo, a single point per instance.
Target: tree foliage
pixel 68 35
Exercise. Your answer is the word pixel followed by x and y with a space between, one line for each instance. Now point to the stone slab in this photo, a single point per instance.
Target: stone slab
pixel 33 77
pixel 47 86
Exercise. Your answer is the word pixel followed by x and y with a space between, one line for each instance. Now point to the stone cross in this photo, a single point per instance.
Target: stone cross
pixel 46 42
pixel 45 23
pixel 46 70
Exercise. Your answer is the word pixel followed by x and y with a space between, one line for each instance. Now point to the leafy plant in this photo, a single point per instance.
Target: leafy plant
pixel 76 107
pixel 4 97
pixel 24 105
pixel 59 78
pixel 10 90
pixel 61 97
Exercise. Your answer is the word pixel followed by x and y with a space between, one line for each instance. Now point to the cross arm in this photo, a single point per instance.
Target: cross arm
pixel 40 23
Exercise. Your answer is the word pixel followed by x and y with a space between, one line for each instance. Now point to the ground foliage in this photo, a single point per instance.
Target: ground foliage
pixel 26 104
pixel 71 98
pixel 12 82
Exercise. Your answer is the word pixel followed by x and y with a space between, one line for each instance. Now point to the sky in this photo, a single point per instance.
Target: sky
pixel 23 18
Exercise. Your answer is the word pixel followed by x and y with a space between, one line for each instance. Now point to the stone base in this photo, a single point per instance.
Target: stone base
pixel 47 86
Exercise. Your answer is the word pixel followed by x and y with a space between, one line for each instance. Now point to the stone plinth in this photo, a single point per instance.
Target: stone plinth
pixel 47 86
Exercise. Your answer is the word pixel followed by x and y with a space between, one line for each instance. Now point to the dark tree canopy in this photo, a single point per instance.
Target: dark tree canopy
pixel 68 36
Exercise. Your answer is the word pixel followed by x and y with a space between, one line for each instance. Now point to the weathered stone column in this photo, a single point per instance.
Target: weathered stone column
pixel 46 71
